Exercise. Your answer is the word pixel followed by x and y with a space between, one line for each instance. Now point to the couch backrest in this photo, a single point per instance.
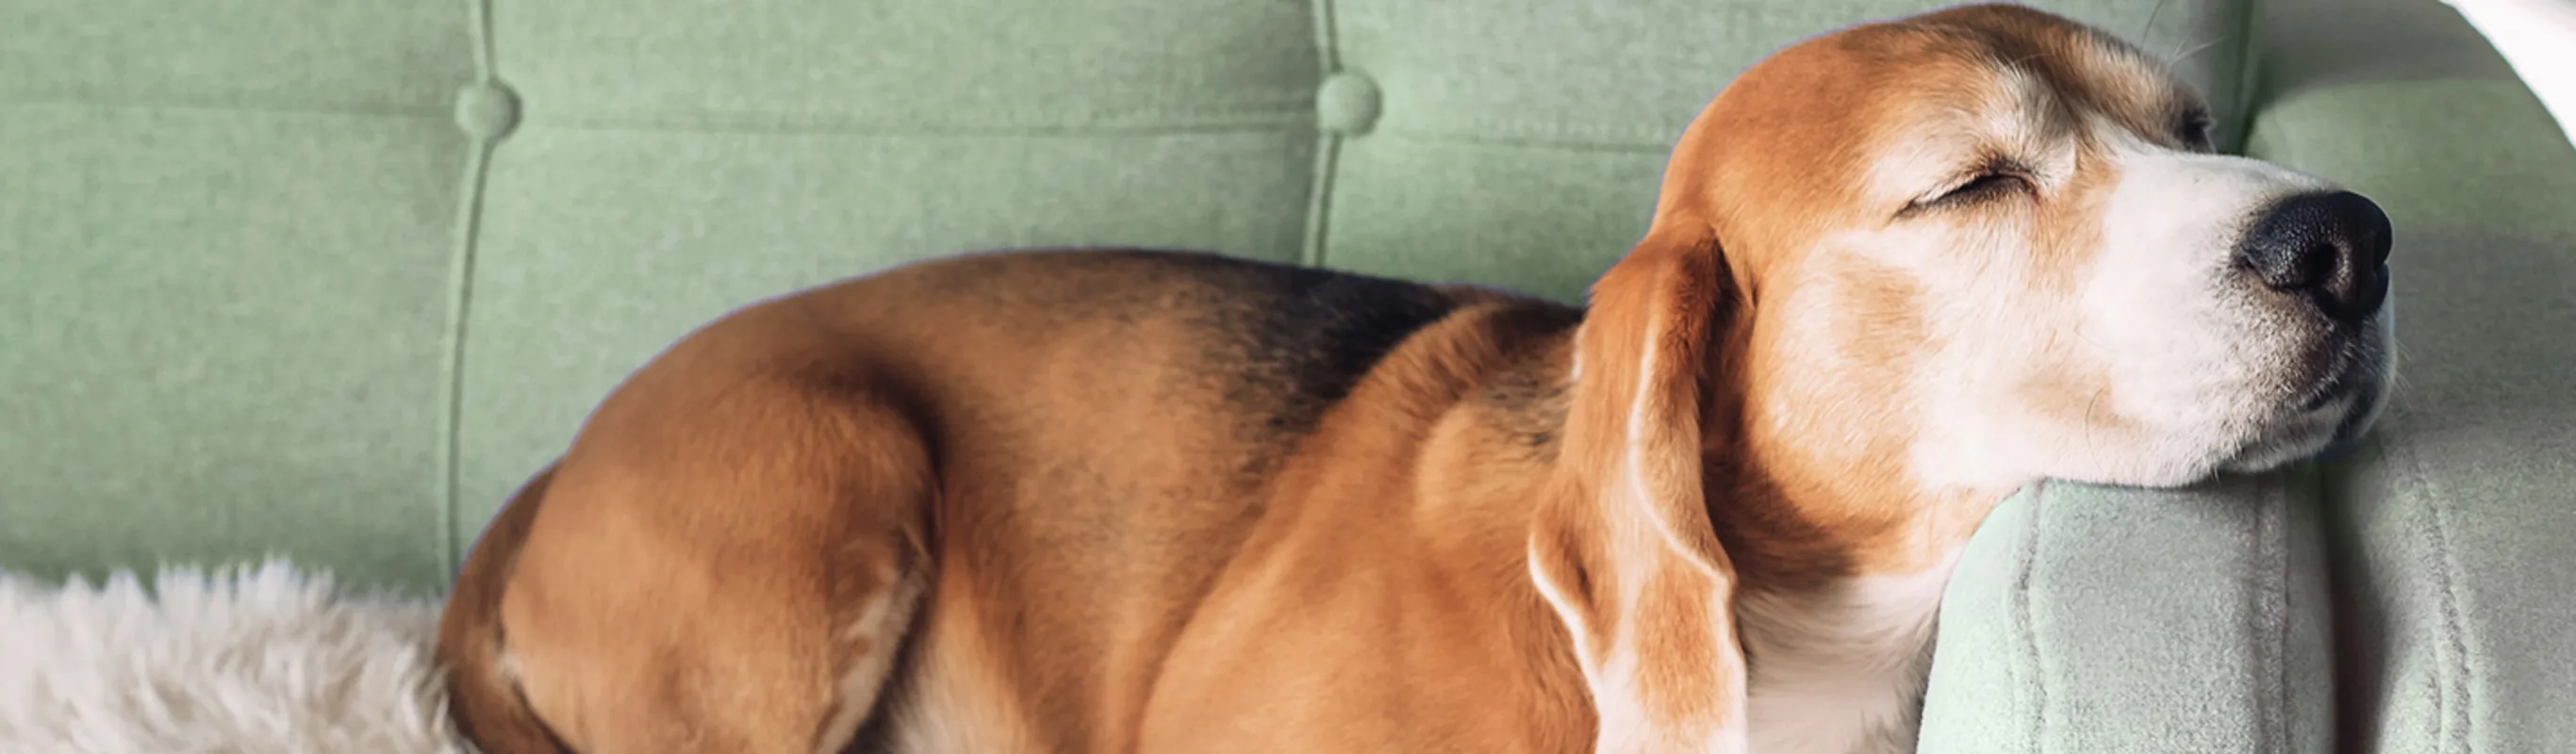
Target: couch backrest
pixel 329 278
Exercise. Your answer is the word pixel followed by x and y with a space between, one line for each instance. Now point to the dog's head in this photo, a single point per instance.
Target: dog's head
pixel 2017 225
pixel 2000 245
pixel 1950 255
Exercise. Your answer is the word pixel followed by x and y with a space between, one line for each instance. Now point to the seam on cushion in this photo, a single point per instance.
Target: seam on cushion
pixel 1568 144
pixel 2452 682
pixel 1297 114
pixel 2271 627
pixel 1506 130
pixel 479 21
pixel 1319 206
pixel 2249 78
pixel 272 108
pixel 1517 128
pixel 460 282
pixel 1328 144
pixel 2027 634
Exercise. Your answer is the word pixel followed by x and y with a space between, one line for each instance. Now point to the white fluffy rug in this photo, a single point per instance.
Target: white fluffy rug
pixel 256 659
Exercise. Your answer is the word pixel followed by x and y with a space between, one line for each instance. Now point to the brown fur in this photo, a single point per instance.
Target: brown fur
pixel 1170 503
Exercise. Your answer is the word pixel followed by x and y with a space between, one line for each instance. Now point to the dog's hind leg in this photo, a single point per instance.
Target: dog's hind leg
pixel 729 564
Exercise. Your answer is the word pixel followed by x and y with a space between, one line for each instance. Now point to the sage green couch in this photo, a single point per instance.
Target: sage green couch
pixel 327 278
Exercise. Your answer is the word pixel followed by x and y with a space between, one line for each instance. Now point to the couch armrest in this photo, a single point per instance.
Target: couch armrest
pixel 2453 536
pixel 2086 618
pixel 2095 619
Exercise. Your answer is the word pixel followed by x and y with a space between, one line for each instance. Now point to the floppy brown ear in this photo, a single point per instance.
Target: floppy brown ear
pixel 1623 548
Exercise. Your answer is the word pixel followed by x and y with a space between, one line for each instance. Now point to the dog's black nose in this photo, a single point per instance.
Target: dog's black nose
pixel 2332 247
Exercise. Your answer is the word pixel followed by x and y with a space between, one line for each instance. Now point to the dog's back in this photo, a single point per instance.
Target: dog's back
pixel 1003 481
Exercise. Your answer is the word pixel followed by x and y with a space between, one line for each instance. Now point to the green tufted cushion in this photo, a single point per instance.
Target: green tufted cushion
pixel 669 165
pixel 2099 619
pixel 329 277
pixel 675 160
pixel 227 237
pixel 2457 531
pixel 2427 612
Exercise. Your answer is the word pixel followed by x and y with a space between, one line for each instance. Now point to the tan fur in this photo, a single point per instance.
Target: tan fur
pixel 1087 485
pixel 483 686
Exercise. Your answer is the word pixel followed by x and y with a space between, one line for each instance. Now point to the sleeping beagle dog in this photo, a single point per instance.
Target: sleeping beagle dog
pixel 1146 501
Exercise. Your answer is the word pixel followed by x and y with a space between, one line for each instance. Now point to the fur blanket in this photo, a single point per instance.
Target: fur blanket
pixel 253 659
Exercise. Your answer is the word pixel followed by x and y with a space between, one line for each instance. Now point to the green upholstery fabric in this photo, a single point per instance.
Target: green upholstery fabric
pixel 226 238
pixel 1516 143
pixel 2457 531
pixel 2459 527
pixel 2420 604
pixel 2455 534
pixel 328 278
pixel 672 163
pixel 2100 619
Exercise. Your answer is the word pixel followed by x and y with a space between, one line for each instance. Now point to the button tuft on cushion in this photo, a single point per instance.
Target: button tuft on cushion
pixel 487 110
pixel 1347 103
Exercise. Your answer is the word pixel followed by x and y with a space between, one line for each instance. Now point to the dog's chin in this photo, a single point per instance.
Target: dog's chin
pixel 2294 429
pixel 2354 431
pixel 2331 429
pixel 2276 453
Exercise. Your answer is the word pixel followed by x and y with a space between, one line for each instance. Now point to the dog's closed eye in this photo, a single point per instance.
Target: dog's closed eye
pixel 1984 185
pixel 1993 180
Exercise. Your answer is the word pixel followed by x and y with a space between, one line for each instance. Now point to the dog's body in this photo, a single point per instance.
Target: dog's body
pixel 1135 453
pixel 1164 502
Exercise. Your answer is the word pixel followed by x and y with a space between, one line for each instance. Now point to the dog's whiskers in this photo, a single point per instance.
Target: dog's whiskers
pixel 2186 54
pixel 2149 30
pixel 2089 406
